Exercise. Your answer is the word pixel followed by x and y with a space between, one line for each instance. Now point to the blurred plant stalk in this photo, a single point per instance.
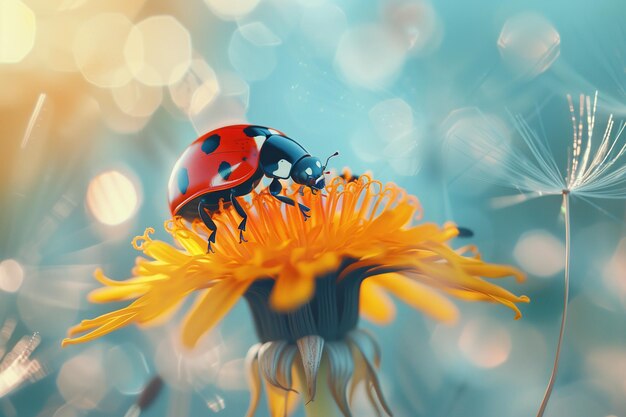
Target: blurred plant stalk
pixel 557 355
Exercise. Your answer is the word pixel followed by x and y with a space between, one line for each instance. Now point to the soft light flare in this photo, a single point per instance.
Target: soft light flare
pixel 112 198
pixel 540 253
pixel 11 275
pixel 18 27
pixel 486 346
pixel 158 50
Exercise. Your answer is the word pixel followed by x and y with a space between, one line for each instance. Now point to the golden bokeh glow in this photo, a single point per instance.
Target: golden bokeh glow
pixel 17 31
pixel 99 50
pixel 197 89
pixel 158 50
pixel 136 99
pixel 231 10
pixel 112 198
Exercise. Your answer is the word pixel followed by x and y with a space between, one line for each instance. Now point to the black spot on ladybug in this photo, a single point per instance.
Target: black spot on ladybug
pixel 225 169
pixel 210 144
pixel 183 180
pixel 253 131
pixel 244 159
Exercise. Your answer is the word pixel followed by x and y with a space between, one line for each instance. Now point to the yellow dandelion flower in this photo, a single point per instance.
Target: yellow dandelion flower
pixel 304 281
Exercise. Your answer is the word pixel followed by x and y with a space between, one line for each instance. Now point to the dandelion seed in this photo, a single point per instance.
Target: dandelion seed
pixel 594 170
pixel 305 283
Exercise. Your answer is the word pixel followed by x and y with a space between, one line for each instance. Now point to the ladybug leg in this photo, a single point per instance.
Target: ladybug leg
pixel 208 221
pixel 241 212
pixel 275 189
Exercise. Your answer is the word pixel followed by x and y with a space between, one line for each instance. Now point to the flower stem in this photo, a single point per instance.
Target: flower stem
pixel 324 403
pixel 555 367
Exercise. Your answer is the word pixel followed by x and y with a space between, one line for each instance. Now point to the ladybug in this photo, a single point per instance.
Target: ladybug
pixel 229 162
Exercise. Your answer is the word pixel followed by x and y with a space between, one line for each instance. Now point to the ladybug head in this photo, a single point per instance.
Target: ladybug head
pixel 309 172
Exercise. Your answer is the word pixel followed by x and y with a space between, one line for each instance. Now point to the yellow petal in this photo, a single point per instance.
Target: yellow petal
pixel 291 289
pixel 391 220
pixel 281 403
pixel 418 296
pixel 512 306
pixel 104 319
pixel 254 379
pixel 467 295
pixel 100 331
pixel 156 313
pixel 190 241
pixel 493 270
pixel 210 308
pixel 108 294
pixel 374 304
pixel 161 251
pixel 453 274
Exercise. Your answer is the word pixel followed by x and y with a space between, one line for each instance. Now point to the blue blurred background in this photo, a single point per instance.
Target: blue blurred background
pixel 98 99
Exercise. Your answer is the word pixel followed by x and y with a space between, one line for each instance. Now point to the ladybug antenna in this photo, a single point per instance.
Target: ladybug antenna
pixel 328 159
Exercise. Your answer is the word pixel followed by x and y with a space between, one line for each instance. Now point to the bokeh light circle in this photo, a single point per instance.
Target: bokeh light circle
pixel 280 16
pixel 614 272
pixel 259 34
pixel 99 49
pixel 49 299
pixel 231 10
pixel 332 19
pixel 406 152
pixel 137 99
pixel 232 375
pixel 227 107
pixel 57 50
pixel 607 364
pixel 127 368
pixel 391 118
pixel 117 120
pixel 468 132
pixel 485 343
pixel 184 368
pixel 11 275
pixel 369 56
pixel 540 253
pixel 18 27
pixel 158 50
pixel 415 23
pixel 81 380
pixel 197 89
pixel 112 198
pixel 529 44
